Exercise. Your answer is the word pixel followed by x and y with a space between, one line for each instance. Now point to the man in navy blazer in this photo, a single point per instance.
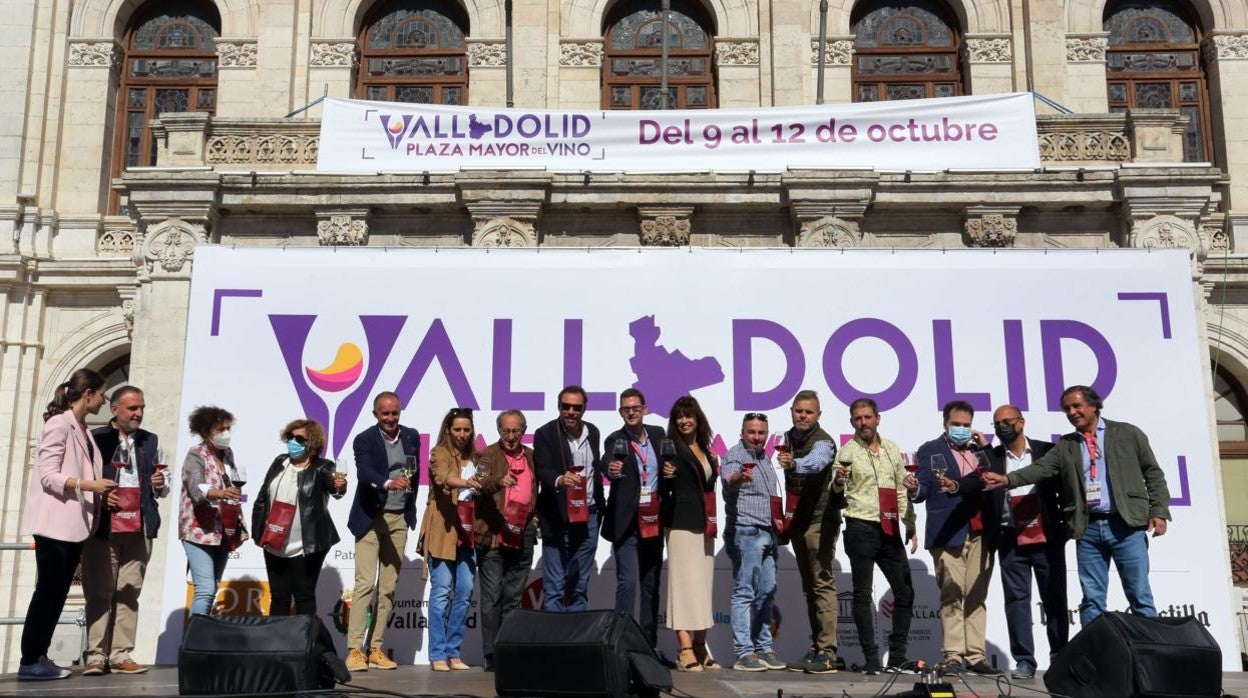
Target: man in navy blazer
pixel 383 511
pixel 1033 542
pixel 638 560
pixel 567 548
pixel 961 533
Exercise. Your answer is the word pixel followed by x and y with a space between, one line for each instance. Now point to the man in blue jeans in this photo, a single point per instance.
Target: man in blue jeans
pixel 1108 472
pixel 750 481
pixel 565 455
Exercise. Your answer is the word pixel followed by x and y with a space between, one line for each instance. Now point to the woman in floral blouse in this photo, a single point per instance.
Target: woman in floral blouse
pixel 210 489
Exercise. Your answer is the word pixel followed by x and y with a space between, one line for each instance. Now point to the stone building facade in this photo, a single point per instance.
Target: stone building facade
pixel 132 130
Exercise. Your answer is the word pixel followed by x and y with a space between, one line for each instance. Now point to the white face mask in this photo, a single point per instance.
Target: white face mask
pixel 221 439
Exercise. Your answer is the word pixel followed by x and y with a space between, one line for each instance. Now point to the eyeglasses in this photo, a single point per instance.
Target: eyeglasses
pixel 301 440
pixel 632 409
pixel 571 407
pixel 1007 422
pixel 751 416
pixel 506 432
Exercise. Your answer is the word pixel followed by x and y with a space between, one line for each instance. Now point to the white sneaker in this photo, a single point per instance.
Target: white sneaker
pixel 42 670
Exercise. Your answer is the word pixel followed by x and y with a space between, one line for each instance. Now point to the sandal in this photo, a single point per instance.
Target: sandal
pixel 707 661
pixel 682 665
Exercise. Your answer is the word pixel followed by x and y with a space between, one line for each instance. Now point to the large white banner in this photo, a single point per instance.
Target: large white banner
pixel 975 132
pixel 277 334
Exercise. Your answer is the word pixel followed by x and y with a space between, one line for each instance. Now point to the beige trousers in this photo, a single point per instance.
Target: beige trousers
pixel 815 550
pixel 112 577
pixel 963 575
pixel 381 546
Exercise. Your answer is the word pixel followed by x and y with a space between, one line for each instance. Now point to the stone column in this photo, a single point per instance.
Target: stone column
pixel 91 80
pixel 738 63
pixel 504 206
pixel 487 64
pixel 990 59
pixel 330 65
pixel 838 54
pixel 1226 66
pixel 665 226
pixel 990 226
pixel 237 82
pixel 1085 73
pixel 580 73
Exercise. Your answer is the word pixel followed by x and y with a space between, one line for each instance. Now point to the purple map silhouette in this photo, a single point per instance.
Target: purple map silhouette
pixel 664 375
pixel 476 128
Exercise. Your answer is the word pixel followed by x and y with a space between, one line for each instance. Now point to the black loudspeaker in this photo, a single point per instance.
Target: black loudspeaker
pixel 257 654
pixel 1119 654
pixel 594 653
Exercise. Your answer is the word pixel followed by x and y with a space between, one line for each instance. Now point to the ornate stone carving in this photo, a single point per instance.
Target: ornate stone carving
pixel 729 52
pixel 1215 233
pixel 829 231
pixel 665 227
pixel 487 54
pixel 262 149
pixel 342 229
pixel 236 54
pixel 580 54
pixel 835 51
pixel 1226 47
pixel 171 244
pixel 989 49
pixel 504 231
pixel 990 230
pixel 94 54
pixel 127 314
pixel 1086 49
pixel 115 242
pixel 1085 145
pixel 336 54
pixel 1167 231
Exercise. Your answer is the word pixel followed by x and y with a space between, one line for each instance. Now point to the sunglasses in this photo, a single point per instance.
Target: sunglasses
pixel 570 407
pixel 301 440
pixel 751 416
pixel 461 412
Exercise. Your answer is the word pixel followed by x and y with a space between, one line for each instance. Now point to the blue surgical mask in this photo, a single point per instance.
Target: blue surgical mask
pixel 295 449
pixel 959 435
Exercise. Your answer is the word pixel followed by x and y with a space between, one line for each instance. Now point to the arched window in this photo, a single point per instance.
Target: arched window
pixel 1153 62
pixel 632 70
pixel 905 49
pixel 413 51
pixel 170 66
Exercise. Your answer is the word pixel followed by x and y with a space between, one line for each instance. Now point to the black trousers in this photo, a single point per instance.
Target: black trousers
pixel 55 562
pixel 503 574
pixel 638 571
pixel 293 577
pixel 1048 563
pixel 867 546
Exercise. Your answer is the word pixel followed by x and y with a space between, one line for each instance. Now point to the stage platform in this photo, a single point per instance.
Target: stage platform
pixel 421 681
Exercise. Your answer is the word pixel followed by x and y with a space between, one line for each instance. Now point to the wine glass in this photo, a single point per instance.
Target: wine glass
pixel 782 443
pixel 844 468
pixel 619 450
pixel 121 457
pixel 667 450
pixel 516 469
pixel 910 461
pixel 162 460
pixel 409 467
pixel 939 466
pixel 981 465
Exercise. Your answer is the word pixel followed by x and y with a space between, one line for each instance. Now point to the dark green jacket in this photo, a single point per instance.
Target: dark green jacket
pixel 1136 481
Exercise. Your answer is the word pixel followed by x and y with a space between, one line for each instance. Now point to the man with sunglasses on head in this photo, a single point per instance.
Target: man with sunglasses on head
pixel 815 528
pixel 634 479
pixel 751 539
pixel 565 450
pixel 383 511
pixel 1115 494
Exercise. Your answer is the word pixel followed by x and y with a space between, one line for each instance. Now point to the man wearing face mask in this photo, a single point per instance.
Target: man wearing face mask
pixel 814 530
pixel 1033 542
pixel 961 533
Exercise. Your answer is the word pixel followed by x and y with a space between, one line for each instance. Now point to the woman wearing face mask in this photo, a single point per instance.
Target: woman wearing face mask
pixel 63 502
pixel 688 501
pixel 209 486
pixel 445 543
pixel 302 479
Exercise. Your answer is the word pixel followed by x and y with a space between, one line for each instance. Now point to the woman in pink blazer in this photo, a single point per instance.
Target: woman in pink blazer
pixel 66 493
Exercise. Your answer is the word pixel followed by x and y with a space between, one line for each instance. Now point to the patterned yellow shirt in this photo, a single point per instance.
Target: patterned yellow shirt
pixel 869 472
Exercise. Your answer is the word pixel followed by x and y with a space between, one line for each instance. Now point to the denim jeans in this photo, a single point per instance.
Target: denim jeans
pixel 207 563
pixel 1127 546
pixel 567 562
pixel 448 611
pixel 753 553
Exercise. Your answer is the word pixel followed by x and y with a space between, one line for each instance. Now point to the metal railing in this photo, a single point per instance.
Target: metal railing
pixel 79 619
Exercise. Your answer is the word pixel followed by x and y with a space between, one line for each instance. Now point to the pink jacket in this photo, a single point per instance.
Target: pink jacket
pixel 63 453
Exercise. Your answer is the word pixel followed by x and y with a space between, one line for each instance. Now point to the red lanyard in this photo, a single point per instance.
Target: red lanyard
pixel 1090 440
pixel 641 456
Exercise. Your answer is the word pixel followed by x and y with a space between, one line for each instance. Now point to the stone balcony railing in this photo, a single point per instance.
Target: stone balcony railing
pixel 196 140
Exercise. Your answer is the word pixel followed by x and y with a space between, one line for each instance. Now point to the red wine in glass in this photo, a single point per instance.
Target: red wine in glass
pixel 516 472
pixel 748 469
pixel 910 462
pixel 619 451
pixel 782 444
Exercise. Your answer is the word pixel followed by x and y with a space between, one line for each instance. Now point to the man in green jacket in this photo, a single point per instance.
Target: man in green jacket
pixel 1114 493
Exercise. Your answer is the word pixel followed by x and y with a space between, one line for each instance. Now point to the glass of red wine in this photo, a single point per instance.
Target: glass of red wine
pixel 162 460
pixel 619 450
pixel 782 443
pixel 981 466
pixel 748 469
pixel 909 460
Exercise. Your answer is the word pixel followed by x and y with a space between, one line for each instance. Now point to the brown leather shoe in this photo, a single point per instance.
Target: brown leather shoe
pixel 356 661
pixel 378 660
pixel 458 664
pixel 95 669
pixel 128 667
